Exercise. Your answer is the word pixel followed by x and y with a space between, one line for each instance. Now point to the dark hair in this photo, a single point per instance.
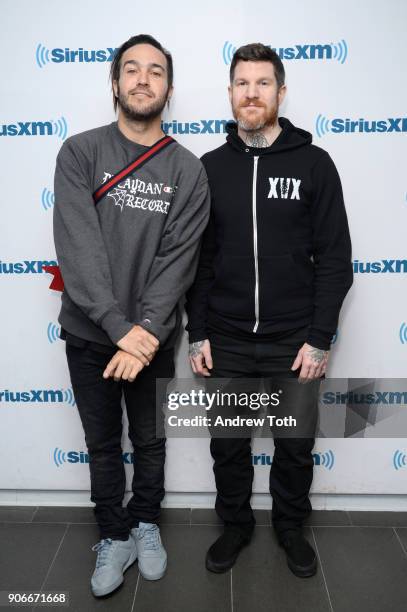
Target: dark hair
pixel 256 52
pixel 140 39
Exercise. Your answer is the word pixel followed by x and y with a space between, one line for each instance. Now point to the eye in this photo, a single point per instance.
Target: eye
pixel 156 73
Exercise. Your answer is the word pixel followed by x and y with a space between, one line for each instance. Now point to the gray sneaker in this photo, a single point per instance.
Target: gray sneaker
pixel 152 558
pixel 114 557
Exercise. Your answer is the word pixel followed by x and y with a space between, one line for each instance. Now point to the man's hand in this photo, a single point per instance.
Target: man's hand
pixel 123 365
pixel 140 343
pixel 200 357
pixel 313 362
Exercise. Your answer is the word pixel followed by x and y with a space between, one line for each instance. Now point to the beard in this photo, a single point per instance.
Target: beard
pixel 147 112
pixel 269 117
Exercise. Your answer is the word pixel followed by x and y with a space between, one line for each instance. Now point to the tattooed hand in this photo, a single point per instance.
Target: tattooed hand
pixel 200 357
pixel 313 362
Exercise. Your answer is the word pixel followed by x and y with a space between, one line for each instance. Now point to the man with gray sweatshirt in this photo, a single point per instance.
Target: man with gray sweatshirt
pixel 130 207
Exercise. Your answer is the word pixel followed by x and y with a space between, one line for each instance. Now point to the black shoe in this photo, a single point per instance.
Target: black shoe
pixel 301 558
pixel 223 553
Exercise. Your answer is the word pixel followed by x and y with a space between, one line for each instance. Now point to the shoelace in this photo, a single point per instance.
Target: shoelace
pixel 151 538
pixel 103 549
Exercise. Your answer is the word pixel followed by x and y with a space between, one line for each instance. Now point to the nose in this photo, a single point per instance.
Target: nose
pixel 252 90
pixel 143 78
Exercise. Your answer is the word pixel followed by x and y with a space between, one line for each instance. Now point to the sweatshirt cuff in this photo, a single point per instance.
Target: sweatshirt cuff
pixel 115 325
pixel 148 326
pixel 319 339
pixel 196 335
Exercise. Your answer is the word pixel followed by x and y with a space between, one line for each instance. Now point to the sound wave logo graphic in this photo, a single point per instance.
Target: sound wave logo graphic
pixel 399 460
pixel 47 199
pixel 59 457
pixel 60 128
pixel 403 333
pixel 340 51
pixel 53 333
pixel 69 397
pixel 228 51
pixel 42 55
pixel 322 125
pixel 326 459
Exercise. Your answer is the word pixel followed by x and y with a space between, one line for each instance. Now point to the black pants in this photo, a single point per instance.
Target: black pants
pixel 291 471
pixel 100 410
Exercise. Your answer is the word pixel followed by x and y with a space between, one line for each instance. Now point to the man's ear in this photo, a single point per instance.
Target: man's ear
pixel 281 94
pixel 169 95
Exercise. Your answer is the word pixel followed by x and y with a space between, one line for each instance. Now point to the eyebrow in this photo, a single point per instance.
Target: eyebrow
pixel 151 65
pixel 263 78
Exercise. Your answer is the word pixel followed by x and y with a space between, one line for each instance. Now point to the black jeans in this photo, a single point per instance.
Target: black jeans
pixel 291 471
pixel 100 410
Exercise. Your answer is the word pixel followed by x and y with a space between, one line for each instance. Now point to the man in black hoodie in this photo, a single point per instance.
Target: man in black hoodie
pixel 274 269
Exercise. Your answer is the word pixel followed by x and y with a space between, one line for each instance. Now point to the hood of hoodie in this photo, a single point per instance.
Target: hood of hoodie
pixel 290 137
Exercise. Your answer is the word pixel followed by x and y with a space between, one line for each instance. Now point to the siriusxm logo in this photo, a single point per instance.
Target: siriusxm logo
pixel 203 126
pixel 57 128
pixel 71 56
pixel 328 51
pixel 387 398
pixel 47 199
pixel 340 126
pixel 262 459
pixel 393 266
pixel 325 459
pixel 25 267
pixel 39 396
pixel 53 333
pixel 399 460
pixel 60 457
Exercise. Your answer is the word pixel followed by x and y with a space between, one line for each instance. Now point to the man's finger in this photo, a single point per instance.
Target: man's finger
pixel 198 360
pixel 111 366
pixel 319 371
pixel 208 356
pixel 127 371
pixel 147 349
pixel 134 371
pixel 304 372
pixel 297 361
pixel 119 370
pixel 312 372
pixel 191 361
pixel 150 341
pixel 137 353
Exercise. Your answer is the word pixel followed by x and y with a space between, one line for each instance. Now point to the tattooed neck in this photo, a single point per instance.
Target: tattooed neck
pixel 256 139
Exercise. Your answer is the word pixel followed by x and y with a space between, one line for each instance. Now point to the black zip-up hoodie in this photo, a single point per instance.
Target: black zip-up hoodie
pixel 276 254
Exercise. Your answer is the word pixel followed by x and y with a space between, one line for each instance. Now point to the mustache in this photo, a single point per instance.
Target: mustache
pixel 144 90
pixel 251 103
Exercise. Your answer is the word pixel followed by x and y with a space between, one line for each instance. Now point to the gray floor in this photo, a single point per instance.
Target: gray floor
pixel 362 564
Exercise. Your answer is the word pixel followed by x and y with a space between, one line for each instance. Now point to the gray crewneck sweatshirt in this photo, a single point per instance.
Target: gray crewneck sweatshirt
pixel 129 259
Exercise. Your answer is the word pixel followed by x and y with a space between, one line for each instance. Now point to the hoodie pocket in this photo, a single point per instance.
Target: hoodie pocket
pixel 232 292
pixel 286 284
